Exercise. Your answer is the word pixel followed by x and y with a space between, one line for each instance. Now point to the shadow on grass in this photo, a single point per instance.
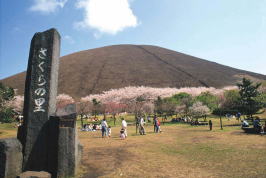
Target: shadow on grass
pixel 241 132
pixel 110 159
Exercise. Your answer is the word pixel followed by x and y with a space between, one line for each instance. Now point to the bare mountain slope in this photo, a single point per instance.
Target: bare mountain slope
pixel 97 70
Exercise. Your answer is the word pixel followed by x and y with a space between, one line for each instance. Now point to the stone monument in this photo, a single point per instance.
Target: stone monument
pixel 40 100
pixel 47 143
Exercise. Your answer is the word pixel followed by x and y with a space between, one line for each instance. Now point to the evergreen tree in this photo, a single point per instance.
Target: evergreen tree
pixel 248 92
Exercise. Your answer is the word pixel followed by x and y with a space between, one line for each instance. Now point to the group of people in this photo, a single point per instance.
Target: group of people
pixel 141 123
pixel 182 119
pixel 91 127
pixel 232 116
pixel 259 128
pixel 106 130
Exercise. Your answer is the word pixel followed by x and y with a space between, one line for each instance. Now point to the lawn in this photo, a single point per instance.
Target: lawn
pixel 8 130
pixel 180 150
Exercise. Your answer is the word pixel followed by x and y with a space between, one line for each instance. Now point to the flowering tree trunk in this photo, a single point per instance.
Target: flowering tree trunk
pixel 114 118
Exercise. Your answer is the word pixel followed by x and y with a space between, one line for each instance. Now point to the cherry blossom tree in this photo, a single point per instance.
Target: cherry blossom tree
pixel 131 97
pixel 181 110
pixel 169 108
pixel 63 99
pixel 127 94
pixel 198 109
pixel 6 95
pixel 114 109
pixel 84 107
pixel 16 104
pixel 148 108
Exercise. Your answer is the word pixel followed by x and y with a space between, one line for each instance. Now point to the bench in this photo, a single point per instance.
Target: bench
pixel 251 130
pixel 203 123
pixel 199 123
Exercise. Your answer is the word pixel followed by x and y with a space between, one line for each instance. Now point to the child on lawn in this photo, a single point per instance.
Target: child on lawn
pixel 122 134
pixel 109 131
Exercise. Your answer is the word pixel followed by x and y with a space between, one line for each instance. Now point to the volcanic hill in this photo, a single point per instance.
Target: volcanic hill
pixel 96 70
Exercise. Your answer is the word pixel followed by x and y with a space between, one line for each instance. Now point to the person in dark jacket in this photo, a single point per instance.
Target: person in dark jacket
pixel 210 124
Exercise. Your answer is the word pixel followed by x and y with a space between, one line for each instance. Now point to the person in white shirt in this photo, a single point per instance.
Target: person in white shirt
pixel 141 126
pixel 104 128
pixel 124 126
pixel 245 123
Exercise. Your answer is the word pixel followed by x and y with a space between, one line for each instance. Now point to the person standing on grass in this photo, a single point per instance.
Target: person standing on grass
pixel 238 115
pixel 124 126
pixel 210 124
pixel 149 119
pixel 141 128
pixel 158 126
pixel 155 123
pixel 109 131
pixel 104 128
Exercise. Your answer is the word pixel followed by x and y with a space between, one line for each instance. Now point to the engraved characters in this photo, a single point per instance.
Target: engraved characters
pixel 40 91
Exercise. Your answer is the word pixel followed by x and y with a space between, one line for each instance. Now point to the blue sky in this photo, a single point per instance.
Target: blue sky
pixel 229 32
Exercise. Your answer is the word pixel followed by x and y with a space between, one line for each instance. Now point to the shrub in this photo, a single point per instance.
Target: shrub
pixel 208 99
pixel 7 115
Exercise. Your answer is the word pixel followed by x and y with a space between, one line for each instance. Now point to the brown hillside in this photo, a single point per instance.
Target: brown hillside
pixel 97 70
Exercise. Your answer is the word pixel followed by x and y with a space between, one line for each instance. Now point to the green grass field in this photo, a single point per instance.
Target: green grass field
pixel 180 150
pixel 8 130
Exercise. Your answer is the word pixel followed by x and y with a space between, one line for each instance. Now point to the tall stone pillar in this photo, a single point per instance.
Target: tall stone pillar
pixel 40 99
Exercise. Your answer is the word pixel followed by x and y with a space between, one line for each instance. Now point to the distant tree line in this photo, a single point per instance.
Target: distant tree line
pixel 247 98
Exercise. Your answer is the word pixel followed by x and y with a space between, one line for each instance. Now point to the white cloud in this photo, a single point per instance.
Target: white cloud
pixel 47 6
pixel 107 16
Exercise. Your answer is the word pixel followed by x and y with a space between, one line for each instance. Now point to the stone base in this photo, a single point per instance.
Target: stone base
pixel 10 157
pixel 69 152
pixel 66 152
pixel 80 153
pixel 34 174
